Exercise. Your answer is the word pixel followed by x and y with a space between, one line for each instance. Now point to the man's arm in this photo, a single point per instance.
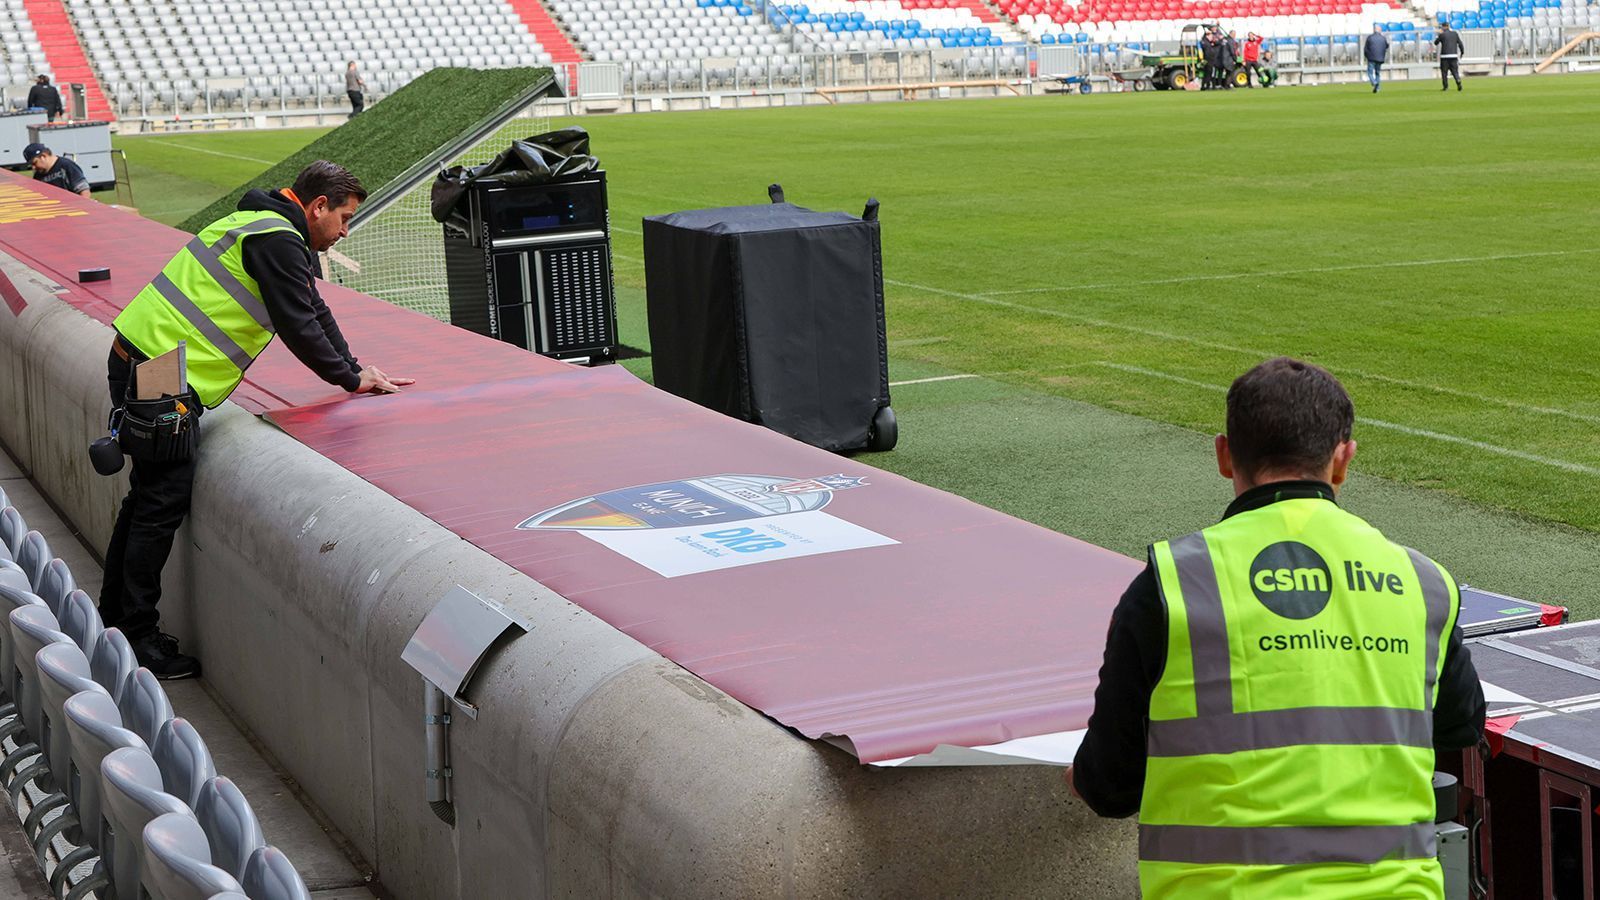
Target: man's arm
pixel 1459 711
pixel 279 265
pixel 75 177
pixel 1108 771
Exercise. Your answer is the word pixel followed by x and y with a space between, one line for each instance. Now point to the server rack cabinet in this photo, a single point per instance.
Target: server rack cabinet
pixel 533 267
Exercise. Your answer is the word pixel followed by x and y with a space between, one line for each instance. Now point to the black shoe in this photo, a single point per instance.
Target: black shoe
pixel 159 653
pixel 1458 85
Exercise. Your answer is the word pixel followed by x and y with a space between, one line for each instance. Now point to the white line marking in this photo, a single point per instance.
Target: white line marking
pixel 1247 351
pixel 264 162
pixel 1186 279
pixel 625 230
pixel 929 380
pixel 1379 423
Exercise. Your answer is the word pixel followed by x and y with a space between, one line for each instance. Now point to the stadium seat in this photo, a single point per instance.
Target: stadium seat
pixel 131 797
pixel 230 825
pixel 11 598
pixel 32 629
pixel 144 705
pixel 112 662
pixel 13 578
pixel 63 673
pixel 80 620
pixel 185 763
pixel 178 862
pixel 94 730
pixel 55 584
pixel 270 876
pixel 33 556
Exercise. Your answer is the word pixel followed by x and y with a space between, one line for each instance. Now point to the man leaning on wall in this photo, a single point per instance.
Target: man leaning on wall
pixel 245 279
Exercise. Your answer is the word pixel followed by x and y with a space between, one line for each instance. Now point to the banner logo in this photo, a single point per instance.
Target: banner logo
pixel 693 502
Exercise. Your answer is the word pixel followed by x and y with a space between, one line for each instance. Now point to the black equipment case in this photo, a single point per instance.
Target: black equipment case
pixel 774 314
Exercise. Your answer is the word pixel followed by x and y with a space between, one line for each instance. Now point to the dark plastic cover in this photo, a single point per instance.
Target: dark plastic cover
pixel 535 160
pixel 772 314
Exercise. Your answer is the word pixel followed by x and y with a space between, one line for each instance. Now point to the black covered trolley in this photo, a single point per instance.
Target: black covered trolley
pixel 774 314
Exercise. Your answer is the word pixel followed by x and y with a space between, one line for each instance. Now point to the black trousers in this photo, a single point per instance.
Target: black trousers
pixel 157 502
pixel 1449 66
pixel 357 103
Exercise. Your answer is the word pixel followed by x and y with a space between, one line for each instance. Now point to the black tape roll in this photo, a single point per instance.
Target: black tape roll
pixel 103 273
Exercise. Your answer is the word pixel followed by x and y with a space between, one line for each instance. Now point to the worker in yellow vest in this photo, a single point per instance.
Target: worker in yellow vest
pixel 1275 686
pixel 241 281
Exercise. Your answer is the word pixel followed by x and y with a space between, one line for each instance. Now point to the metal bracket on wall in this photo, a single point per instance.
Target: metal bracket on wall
pixel 453 639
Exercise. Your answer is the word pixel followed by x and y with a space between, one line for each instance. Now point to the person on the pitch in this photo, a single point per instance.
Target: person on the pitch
pixel 1376 50
pixel 1448 41
pixel 245 279
pixel 1275 686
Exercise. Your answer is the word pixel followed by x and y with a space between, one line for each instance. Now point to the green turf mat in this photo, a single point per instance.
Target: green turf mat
pixel 393 135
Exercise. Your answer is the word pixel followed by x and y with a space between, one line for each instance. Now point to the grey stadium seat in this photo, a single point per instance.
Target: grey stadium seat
pixel 12 528
pixel 230 825
pixel 33 556
pixel 55 584
pixel 32 629
pixel 131 796
pixel 63 674
pixel 144 705
pixel 11 597
pixel 81 621
pixel 94 730
pixel 13 578
pixel 178 862
pixel 270 876
pixel 184 761
pixel 112 662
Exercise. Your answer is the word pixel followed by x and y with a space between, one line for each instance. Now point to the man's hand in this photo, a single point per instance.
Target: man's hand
pixel 374 381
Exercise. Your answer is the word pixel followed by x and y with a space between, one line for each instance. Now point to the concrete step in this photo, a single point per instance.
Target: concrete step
pixel 317 852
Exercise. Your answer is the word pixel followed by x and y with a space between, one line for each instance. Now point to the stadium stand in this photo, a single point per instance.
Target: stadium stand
pixel 178 44
pixel 20 48
pixel 64 54
pixel 845 25
pixel 667 36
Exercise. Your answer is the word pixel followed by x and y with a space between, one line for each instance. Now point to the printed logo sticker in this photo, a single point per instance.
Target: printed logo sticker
pixel 1291 579
pixel 713 522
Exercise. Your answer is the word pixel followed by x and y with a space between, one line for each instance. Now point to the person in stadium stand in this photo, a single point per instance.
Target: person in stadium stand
pixel 43 95
pixel 1252 58
pixel 354 85
pixel 244 279
pixel 1275 686
pixel 1449 43
pixel 1375 51
pixel 55 170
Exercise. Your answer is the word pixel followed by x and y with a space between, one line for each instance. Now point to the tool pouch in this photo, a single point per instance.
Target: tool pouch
pixel 157 430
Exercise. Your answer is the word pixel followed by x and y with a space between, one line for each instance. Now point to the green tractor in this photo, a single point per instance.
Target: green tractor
pixel 1183 70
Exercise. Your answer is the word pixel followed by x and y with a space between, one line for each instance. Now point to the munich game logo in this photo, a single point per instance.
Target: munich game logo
pixel 709 501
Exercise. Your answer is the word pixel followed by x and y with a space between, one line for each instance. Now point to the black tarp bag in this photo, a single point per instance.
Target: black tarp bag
pixel 535 160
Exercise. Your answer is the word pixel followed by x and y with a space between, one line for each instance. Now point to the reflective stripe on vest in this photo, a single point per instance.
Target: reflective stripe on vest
pixel 222 344
pixel 1238 772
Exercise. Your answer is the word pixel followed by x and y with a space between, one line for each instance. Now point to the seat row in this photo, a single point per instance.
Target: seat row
pixel 120 798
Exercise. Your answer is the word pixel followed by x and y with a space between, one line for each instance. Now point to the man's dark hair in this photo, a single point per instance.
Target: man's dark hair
pixel 1287 414
pixel 331 180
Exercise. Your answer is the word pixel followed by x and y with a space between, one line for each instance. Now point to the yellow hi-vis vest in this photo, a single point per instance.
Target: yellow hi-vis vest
pixel 1291 733
pixel 205 297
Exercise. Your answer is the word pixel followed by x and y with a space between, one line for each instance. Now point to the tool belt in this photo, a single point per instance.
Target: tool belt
pixel 165 430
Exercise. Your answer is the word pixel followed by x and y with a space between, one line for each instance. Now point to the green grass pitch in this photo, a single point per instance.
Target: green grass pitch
pixel 1107 264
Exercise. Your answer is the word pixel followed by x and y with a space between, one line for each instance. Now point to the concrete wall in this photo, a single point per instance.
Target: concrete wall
pixel 596 767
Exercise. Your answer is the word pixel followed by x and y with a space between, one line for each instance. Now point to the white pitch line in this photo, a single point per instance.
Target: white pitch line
pixel 929 380
pixel 1247 351
pixel 1231 276
pixel 1391 426
pixel 264 162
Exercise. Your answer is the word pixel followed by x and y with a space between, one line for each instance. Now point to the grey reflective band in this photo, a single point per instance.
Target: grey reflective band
pixel 192 314
pixel 1310 725
pixel 210 259
pixel 1285 845
pixel 232 235
pixel 1208 630
pixel 1436 595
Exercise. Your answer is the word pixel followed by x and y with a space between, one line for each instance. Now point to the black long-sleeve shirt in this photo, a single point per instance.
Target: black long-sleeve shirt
pixel 45 97
pixel 1109 768
pixel 286 270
